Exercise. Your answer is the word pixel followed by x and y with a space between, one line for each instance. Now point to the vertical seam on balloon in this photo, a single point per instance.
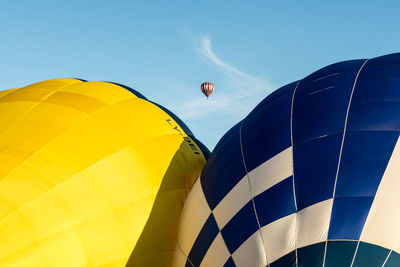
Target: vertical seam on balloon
pixel 62 182
pixel 69 127
pixel 355 253
pixel 390 252
pixel 11 91
pixel 395 245
pixel 294 188
pixel 33 107
pixel 387 257
pixel 184 254
pixel 251 193
pixel 340 158
pixel 27 112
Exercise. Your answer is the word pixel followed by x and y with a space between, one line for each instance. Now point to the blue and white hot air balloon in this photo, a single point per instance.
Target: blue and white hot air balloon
pixel 311 177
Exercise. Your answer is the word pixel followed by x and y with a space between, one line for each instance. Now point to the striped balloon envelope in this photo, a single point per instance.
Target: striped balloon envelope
pixel 311 177
pixel 207 88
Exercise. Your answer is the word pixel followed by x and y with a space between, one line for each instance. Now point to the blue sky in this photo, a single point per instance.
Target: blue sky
pixel 165 49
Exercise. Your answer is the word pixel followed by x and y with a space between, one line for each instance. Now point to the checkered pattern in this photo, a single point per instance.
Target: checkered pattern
pixel 309 177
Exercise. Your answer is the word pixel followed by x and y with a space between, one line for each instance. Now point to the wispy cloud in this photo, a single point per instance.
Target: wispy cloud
pixel 235 95
pixel 209 55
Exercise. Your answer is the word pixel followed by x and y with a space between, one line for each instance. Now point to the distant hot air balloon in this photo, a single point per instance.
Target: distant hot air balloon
pixel 207 88
pixel 310 177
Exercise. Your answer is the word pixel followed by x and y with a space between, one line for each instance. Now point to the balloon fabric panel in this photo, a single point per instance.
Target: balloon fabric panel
pixel 81 170
pixel 309 177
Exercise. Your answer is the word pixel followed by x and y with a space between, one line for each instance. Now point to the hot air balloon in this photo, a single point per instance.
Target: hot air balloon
pixel 310 177
pixel 207 88
pixel 92 174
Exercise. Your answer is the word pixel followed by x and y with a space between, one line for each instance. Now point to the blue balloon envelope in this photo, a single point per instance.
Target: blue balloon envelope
pixel 311 177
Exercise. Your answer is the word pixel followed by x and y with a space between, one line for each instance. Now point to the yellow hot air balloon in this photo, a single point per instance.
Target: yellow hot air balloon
pixel 91 174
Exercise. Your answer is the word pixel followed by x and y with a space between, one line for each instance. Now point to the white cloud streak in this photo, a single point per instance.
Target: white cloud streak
pixel 235 95
pixel 210 55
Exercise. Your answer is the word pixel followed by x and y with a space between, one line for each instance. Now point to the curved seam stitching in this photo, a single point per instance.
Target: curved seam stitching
pixel 387 257
pixel 9 92
pixel 294 185
pixel 355 253
pixel 344 134
pixel 336 240
pixel 74 124
pixel 251 193
pixel 390 252
pixel 339 161
pixel 50 189
pixel 35 105
pixel 109 211
pixel 135 92
pixel 184 254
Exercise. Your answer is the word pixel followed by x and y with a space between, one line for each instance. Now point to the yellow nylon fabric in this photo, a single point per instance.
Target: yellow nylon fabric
pixel 81 166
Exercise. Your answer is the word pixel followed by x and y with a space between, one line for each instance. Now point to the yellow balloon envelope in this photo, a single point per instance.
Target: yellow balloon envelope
pixel 91 174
